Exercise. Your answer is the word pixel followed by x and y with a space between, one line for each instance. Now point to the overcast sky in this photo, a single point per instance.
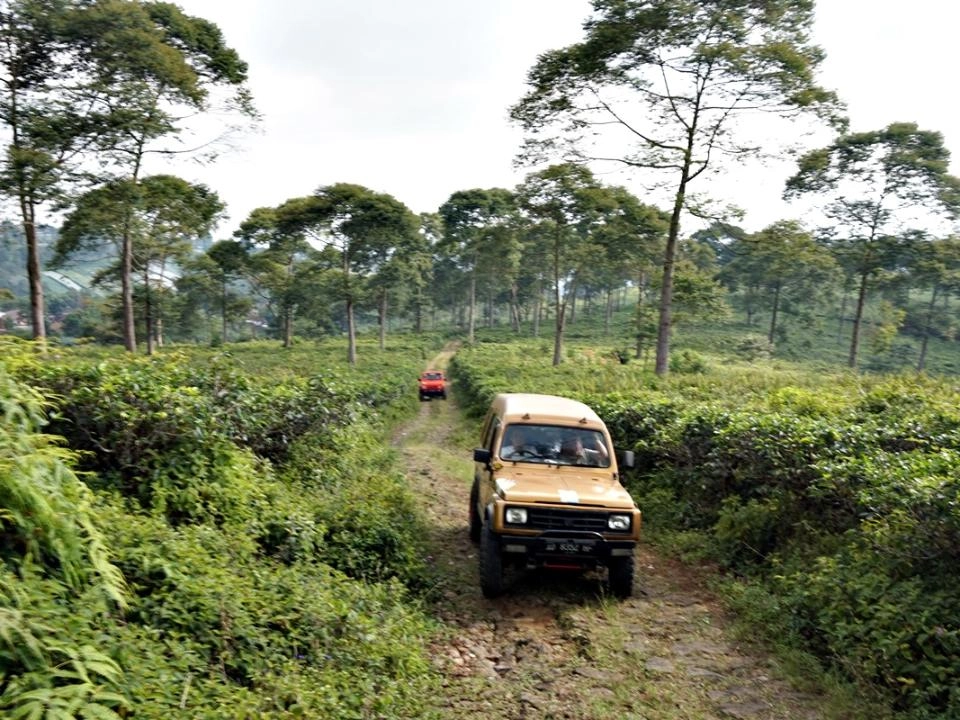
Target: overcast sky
pixel 411 98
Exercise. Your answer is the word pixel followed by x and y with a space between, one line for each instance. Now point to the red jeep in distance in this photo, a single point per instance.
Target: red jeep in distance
pixel 432 384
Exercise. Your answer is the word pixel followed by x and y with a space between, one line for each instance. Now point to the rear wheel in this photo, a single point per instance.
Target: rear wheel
pixel 491 564
pixel 475 524
pixel 622 570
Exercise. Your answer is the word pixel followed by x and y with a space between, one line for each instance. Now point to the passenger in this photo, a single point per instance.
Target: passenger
pixel 573 452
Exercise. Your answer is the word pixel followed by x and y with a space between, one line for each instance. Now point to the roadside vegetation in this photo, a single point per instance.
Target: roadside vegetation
pixel 200 533
pixel 228 527
pixel 826 500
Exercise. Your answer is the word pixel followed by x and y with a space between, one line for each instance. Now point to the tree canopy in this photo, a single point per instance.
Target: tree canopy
pixel 656 85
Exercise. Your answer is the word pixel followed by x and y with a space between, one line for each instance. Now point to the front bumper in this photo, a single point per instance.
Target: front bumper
pixel 563 548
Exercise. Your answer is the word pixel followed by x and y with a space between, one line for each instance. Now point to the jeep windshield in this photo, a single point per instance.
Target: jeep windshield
pixel 553 445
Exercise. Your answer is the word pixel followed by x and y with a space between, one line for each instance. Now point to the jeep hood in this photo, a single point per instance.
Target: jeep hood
pixel 561 487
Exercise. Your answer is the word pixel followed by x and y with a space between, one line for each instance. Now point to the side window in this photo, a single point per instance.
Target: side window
pixel 492 431
pixel 485 430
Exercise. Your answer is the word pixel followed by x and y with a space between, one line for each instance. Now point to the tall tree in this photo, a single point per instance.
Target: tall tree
pixel 88 84
pixel 782 265
pixel 878 187
pixel 228 262
pixel 563 200
pixel 212 285
pixel 473 222
pixel 420 261
pixel 170 215
pixel 935 266
pixel 657 86
pixel 279 261
pixel 632 235
pixel 154 69
pixel 32 57
pixel 160 218
pixel 361 227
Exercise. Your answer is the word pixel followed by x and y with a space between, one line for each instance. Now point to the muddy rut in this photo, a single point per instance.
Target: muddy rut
pixel 556 645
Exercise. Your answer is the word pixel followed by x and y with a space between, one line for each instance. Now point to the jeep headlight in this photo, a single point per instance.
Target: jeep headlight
pixel 516 516
pixel 618 523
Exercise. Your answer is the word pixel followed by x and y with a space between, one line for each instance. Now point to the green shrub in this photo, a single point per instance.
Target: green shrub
pixel 57 582
pixel 688 362
pixel 754 347
pixel 372 528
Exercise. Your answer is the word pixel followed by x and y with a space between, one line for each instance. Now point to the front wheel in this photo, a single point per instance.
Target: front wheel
pixel 475 524
pixel 622 570
pixel 491 564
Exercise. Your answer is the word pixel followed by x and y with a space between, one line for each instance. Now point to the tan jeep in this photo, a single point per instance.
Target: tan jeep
pixel 547 493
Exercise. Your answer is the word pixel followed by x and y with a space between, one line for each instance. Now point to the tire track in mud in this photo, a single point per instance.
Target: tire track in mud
pixel 555 646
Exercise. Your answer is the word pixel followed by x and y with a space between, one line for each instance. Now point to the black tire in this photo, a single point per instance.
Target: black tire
pixel 422 397
pixel 491 564
pixel 475 524
pixel 443 395
pixel 622 571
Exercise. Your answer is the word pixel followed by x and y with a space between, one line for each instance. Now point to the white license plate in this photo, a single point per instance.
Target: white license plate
pixel 569 548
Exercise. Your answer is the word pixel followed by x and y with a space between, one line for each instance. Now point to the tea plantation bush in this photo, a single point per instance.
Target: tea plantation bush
pixel 206 541
pixel 837 496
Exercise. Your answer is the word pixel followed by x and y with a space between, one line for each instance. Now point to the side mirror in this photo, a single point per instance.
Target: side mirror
pixel 625 459
pixel 482 455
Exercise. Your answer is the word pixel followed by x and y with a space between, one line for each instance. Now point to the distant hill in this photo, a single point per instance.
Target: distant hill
pixel 75 276
pixel 13 262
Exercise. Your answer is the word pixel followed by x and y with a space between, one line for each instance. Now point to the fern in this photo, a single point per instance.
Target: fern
pixel 45 509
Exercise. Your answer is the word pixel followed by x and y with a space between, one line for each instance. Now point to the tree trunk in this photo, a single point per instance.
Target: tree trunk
pixel 922 360
pixel 351 334
pixel 773 314
pixel 857 321
pixel 148 318
pixel 608 313
pixel 537 303
pixel 34 276
pixel 418 312
pixel 514 309
pixel 558 334
pixel 573 301
pixel 641 337
pixel 560 304
pixel 126 293
pixel 843 311
pixel 382 316
pixel 666 288
pixel 287 326
pixel 223 311
pixel 28 217
pixel 472 308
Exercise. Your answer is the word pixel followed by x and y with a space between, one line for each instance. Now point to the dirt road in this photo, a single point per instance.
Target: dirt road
pixel 555 646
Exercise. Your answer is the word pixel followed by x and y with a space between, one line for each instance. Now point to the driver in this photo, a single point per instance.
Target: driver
pixel 514 442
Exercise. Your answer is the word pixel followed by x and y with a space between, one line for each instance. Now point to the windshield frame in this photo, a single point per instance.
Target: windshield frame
pixel 543 443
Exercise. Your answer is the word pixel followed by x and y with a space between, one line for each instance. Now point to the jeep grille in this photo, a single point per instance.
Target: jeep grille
pixel 554 519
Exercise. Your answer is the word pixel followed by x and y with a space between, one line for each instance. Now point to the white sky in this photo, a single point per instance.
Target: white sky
pixel 411 98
